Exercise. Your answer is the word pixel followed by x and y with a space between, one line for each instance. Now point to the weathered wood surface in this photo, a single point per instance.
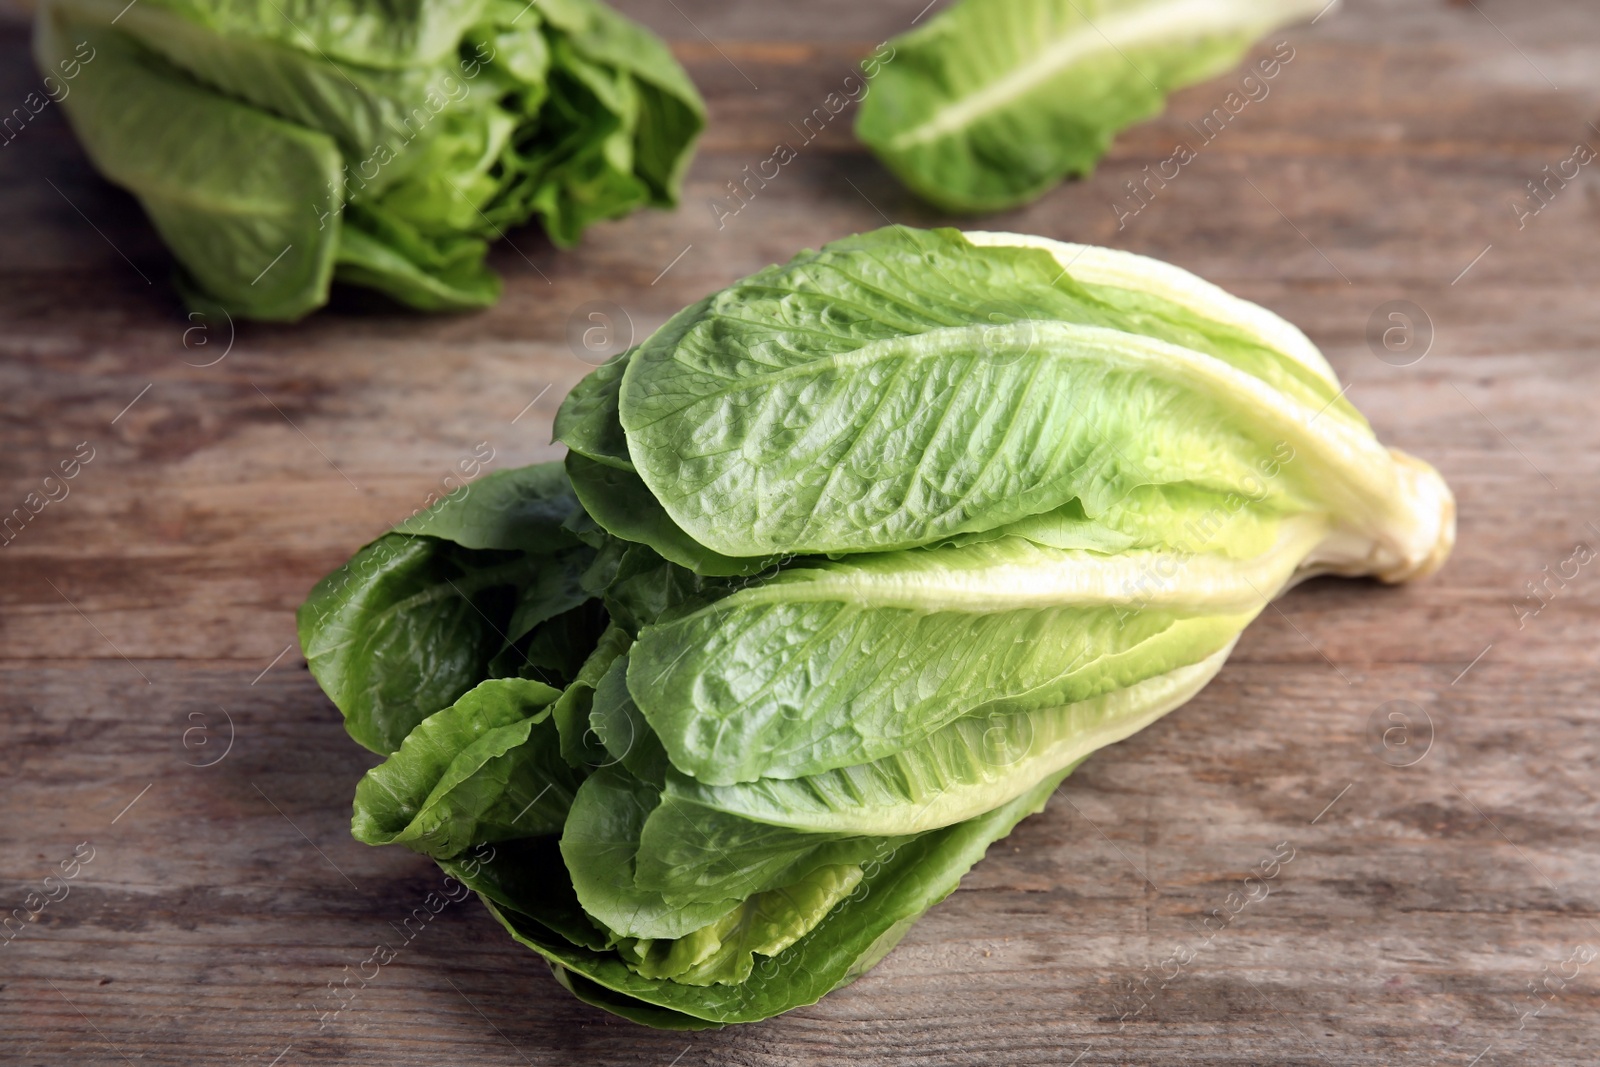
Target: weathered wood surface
pixel 1421 904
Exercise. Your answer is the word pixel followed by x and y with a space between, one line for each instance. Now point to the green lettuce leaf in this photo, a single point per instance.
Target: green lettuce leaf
pixel 579 744
pixel 724 952
pixel 407 627
pixel 902 388
pixel 240 207
pixel 992 103
pixel 600 845
pixel 968 767
pixel 384 34
pixel 485 769
pixel 783 680
pixel 852 937
pixel 486 582
pixel 609 488
pixel 525 508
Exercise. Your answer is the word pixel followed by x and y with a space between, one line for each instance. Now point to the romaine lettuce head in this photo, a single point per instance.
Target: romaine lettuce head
pixel 848 567
pixel 993 102
pixel 279 147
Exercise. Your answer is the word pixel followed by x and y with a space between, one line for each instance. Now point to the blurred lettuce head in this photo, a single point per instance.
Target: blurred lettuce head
pixel 280 147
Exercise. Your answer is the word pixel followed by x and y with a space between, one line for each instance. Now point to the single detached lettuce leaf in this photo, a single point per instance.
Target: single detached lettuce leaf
pixel 487 768
pixel 994 101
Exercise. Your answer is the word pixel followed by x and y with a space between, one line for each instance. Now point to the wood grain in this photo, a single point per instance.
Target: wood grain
pixel 153 606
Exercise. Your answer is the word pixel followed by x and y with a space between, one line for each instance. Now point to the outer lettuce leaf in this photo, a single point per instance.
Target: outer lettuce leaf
pixel 611 490
pixel 386 34
pixel 415 620
pixel 406 628
pixel 487 768
pixel 902 388
pixel 970 766
pixel 619 501
pixel 600 845
pixel 995 101
pixel 381 119
pixel 587 421
pixel 785 689
pixel 850 938
pixel 1122 277
pixel 526 508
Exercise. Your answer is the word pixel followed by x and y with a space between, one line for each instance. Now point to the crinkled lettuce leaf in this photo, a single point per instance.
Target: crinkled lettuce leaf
pixel 849 939
pixel 993 102
pixel 487 582
pixel 488 768
pixel 901 388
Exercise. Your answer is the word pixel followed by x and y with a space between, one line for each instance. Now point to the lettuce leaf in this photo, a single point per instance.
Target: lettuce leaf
pixel 485 769
pixel 454 595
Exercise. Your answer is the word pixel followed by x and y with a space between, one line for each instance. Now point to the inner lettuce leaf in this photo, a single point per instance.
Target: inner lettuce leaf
pixel 724 952
pixel 993 102
pixel 600 848
pixel 579 744
pixel 488 768
pixel 280 147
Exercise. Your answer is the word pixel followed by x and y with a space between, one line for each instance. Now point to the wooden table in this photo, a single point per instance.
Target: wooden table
pixel 153 606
